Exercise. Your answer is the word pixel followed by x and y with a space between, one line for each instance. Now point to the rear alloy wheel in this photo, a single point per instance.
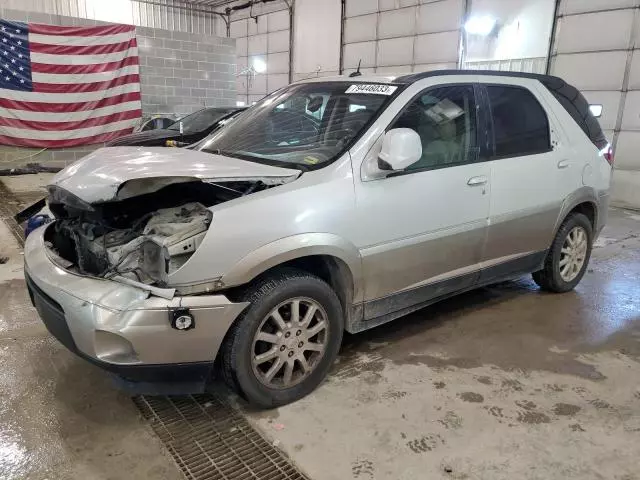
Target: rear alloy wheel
pixel 573 254
pixel 283 345
pixel 568 256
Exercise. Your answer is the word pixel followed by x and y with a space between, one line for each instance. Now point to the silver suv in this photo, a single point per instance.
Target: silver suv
pixel 333 204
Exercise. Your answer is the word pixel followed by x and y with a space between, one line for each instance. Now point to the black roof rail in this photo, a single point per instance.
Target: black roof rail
pixel 414 77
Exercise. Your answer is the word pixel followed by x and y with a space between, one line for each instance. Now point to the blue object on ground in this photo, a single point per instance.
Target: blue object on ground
pixel 35 222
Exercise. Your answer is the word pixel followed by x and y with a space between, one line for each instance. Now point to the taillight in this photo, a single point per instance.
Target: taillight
pixel 608 154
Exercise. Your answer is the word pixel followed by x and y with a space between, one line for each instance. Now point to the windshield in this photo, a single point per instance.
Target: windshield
pixel 308 124
pixel 200 120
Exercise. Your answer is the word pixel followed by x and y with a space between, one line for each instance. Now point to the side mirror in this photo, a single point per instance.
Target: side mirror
pixel 401 148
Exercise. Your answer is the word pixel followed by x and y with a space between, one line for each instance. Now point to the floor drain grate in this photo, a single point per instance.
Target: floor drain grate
pixel 9 206
pixel 210 440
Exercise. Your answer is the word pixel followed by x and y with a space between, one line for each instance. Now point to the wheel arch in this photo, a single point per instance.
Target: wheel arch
pixel 327 256
pixel 589 210
pixel 583 200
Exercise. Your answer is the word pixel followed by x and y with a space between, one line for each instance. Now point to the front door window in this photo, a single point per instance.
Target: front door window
pixel 445 119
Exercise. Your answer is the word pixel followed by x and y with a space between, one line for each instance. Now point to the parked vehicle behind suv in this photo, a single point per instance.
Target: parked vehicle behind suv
pixel 331 205
pixel 183 132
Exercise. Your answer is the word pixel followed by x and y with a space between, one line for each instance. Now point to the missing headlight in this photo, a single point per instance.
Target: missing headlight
pixel 145 258
pixel 147 251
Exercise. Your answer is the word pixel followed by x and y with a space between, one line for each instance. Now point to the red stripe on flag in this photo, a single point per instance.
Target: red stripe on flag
pixel 69 107
pixel 81 49
pixel 79 31
pixel 74 69
pixel 60 126
pixel 84 87
pixel 72 142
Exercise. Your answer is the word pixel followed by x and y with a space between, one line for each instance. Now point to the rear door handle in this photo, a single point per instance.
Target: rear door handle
pixel 563 164
pixel 476 181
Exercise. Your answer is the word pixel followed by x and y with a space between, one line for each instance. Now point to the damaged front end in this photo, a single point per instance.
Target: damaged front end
pixel 142 238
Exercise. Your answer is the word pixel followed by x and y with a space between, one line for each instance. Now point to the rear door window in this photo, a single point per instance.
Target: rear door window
pixel 520 124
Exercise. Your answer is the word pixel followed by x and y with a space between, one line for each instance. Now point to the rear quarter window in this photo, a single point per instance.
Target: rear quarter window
pixel 520 124
pixel 577 106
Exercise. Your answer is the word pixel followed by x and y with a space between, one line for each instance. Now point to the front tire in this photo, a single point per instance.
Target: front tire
pixel 283 345
pixel 568 257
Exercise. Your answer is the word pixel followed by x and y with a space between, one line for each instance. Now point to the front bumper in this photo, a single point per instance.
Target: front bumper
pixel 124 329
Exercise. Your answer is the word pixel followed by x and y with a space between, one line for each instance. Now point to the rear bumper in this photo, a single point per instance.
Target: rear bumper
pixel 124 329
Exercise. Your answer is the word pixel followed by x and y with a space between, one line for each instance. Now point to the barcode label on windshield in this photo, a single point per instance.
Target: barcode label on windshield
pixel 374 89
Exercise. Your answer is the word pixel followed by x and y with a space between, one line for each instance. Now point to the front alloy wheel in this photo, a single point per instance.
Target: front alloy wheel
pixel 289 343
pixel 283 345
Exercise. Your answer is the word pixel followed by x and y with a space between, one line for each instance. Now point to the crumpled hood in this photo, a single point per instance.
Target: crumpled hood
pixel 103 175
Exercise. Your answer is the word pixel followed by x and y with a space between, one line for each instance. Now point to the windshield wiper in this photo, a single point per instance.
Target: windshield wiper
pixel 226 153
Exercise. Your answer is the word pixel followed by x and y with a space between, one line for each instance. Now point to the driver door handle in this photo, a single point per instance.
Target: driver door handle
pixel 477 181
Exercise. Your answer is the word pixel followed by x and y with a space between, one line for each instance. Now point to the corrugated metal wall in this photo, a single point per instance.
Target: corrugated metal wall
pixel 262 33
pixel 596 49
pixel 528 65
pixel 401 37
pixel 165 14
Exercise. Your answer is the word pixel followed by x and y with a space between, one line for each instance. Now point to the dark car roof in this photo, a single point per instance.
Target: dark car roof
pixel 146 136
pixel 221 109
pixel 225 110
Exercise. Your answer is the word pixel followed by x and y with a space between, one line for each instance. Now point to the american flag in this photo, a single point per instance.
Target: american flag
pixel 67 86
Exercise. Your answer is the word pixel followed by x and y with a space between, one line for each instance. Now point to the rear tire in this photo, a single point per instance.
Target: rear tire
pixel 283 345
pixel 568 257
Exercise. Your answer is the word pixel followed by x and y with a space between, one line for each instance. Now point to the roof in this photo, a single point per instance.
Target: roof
pixel 414 77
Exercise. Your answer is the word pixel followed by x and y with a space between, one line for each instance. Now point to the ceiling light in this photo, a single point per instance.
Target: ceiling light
pixel 480 25
pixel 259 65
pixel 596 110
pixel 240 103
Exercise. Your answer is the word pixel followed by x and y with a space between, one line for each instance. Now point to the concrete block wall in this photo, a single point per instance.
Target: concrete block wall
pixel 12 157
pixel 180 73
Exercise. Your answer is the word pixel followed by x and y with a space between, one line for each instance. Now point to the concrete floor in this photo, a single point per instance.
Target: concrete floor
pixel 60 417
pixel 502 382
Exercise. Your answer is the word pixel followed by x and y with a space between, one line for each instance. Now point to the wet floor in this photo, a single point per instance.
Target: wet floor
pixel 502 382
pixel 60 417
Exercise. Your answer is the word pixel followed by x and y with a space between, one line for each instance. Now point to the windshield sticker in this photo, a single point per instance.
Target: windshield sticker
pixel 310 160
pixel 374 89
